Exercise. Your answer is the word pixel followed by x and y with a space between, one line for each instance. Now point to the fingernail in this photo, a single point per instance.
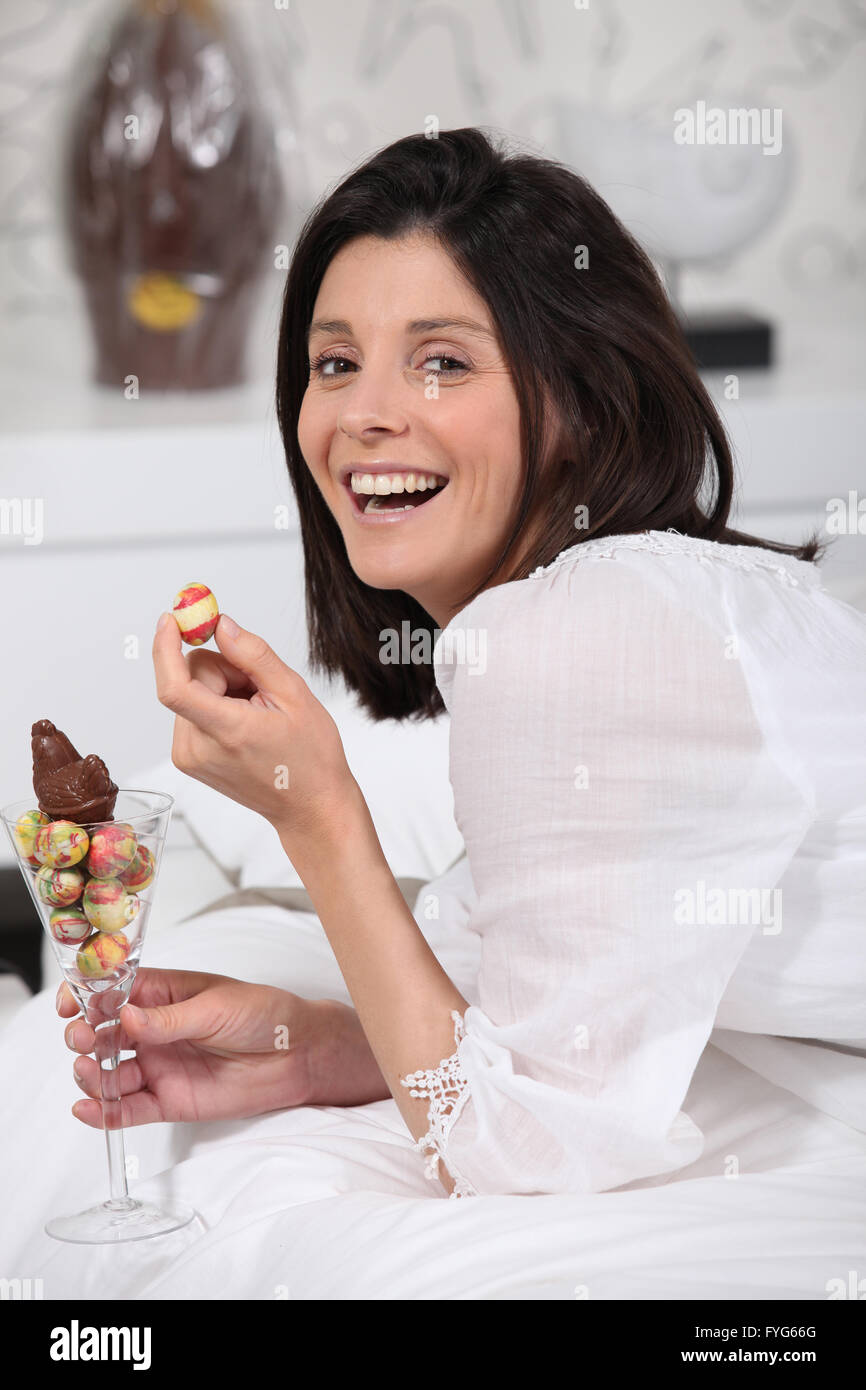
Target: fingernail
pixel 137 1014
pixel 163 619
pixel 230 627
pixel 57 996
pixel 76 1071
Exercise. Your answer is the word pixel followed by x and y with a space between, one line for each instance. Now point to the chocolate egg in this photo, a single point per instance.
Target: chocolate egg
pixel 59 887
pixel 60 844
pixel 107 905
pixel 102 954
pixel 69 926
pixel 112 849
pixel 26 827
pixel 197 613
pixel 140 872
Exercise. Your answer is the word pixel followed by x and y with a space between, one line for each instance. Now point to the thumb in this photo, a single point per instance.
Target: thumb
pixel 163 1024
pixel 252 655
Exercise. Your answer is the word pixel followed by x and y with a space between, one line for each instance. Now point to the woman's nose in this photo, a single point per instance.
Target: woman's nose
pixel 377 401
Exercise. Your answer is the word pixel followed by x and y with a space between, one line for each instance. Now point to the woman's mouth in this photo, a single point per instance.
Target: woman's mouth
pixel 392 495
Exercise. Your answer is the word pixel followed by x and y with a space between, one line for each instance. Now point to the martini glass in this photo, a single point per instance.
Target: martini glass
pixel 100 968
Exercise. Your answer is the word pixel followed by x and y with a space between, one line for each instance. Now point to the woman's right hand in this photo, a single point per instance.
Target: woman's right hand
pixel 212 1048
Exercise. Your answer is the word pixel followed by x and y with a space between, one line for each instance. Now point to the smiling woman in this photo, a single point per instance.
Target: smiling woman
pixel 648 749
pixel 452 331
pixel 409 425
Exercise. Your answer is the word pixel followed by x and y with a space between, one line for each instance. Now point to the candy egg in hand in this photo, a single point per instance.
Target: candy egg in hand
pixel 196 612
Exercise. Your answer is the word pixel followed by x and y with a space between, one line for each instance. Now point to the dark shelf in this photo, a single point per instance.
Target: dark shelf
pixel 20 931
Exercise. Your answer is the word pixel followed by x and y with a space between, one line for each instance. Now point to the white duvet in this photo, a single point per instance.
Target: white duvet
pixel 332 1203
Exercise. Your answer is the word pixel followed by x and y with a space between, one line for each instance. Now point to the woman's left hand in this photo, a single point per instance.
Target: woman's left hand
pixel 250 727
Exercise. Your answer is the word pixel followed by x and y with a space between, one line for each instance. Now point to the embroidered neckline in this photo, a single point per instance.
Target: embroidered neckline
pixel 787 568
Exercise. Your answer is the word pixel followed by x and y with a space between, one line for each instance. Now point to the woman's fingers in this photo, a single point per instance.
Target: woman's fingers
pixel 179 691
pixel 219 675
pixel 155 985
pixel 80 1037
pixel 86 1073
pixel 66 1003
pixel 267 671
pixel 140 1108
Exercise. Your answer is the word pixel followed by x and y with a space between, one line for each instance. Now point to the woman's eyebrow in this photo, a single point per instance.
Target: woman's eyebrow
pixel 414 326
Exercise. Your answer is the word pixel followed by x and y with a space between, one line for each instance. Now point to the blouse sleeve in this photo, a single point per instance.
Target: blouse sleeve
pixel 626 827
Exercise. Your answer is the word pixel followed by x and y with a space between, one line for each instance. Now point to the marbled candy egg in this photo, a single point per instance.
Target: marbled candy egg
pixel 112 849
pixel 60 844
pixel 69 926
pixel 107 905
pixel 59 887
pixel 26 827
pixel 140 872
pixel 102 954
pixel 197 613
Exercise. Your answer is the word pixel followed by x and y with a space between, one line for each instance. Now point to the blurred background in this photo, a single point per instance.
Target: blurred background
pixel 158 159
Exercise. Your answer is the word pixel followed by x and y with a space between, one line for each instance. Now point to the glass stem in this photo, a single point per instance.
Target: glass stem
pixel 108 1056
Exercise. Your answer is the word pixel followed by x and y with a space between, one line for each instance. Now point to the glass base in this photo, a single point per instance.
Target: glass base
pixel 110 1222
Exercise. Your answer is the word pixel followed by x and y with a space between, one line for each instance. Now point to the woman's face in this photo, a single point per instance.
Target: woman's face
pixel 395 395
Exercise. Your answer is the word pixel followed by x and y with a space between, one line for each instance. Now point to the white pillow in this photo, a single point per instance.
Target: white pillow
pixel 402 769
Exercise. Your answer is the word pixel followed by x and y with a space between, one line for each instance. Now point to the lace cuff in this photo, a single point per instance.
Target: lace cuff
pixel 447 1089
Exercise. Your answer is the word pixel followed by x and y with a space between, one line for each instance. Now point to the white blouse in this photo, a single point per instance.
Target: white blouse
pixel 658 758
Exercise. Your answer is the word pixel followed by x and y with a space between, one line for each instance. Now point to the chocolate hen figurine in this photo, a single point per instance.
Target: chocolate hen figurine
pixel 67 786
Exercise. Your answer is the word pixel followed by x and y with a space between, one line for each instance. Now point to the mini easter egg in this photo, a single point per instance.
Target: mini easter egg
pixel 26 827
pixel 59 887
pixel 60 844
pixel 69 925
pixel 112 849
pixel 133 907
pixel 107 905
pixel 140 872
pixel 102 954
pixel 196 612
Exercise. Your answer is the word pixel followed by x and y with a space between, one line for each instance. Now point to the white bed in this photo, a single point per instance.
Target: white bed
pixel 332 1203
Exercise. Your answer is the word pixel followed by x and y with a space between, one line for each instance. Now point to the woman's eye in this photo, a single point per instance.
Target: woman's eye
pixel 446 371
pixel 319 365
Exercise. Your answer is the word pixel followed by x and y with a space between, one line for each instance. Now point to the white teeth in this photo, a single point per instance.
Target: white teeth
pixel 373 507
pixel 384 484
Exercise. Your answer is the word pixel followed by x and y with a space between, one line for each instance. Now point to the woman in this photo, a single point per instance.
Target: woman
pixel 497 436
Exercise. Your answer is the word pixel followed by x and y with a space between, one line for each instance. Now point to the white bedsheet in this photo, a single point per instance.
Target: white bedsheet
pixel 332 1203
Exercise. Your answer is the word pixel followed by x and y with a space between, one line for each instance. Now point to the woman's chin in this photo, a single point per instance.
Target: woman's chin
pixel 385 559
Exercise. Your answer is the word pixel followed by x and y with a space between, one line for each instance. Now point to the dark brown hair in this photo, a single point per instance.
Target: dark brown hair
pixel 644 447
